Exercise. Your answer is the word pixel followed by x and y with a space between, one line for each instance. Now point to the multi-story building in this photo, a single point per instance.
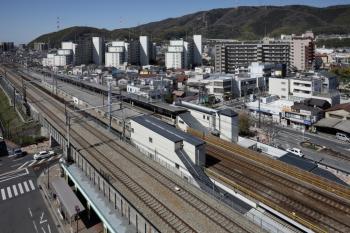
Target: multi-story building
pixel 97 50
pixel 117 54
pixel 223 122
pixel 301 86
pixel 302 50
pixel 6 46
pixel 83 51
pixel 197 50
pixel 145 50
pixel 134 52
pixel 182 54
pixel 229 57
pixel 41 46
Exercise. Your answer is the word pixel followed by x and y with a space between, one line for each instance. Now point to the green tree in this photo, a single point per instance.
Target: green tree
pixel 244 124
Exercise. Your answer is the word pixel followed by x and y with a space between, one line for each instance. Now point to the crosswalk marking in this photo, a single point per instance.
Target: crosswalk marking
pixel 9 192
pixel 31 184
pixel 26 186
pixel 20 188
pixel 36 162
pixel 17 189
pixel 3 194
pixel 14 187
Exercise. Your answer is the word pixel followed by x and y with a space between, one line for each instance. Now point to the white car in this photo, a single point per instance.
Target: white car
pixel 295 151
pixel 342 137
pixel 43 154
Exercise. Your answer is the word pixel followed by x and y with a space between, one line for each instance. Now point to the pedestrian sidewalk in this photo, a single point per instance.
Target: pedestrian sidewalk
pixel 63 226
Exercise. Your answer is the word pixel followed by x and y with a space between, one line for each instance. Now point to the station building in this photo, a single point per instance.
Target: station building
pixel 168 145
pixel 221 122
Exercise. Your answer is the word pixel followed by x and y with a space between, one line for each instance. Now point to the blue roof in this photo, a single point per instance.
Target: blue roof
pixel 166 130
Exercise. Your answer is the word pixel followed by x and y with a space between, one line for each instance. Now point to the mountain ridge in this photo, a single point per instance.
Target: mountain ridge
pixel 244 22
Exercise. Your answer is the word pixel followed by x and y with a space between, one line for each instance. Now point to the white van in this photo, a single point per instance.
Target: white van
pixel 342 137
pixel 295 151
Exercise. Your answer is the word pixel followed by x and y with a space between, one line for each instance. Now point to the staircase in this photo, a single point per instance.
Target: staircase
pixel 197 173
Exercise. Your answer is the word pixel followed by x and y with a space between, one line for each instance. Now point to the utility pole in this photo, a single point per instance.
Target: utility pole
pixel 109 104
pixel 14 98
pixel 67 132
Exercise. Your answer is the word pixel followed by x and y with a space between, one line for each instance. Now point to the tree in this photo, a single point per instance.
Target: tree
pixel 244 124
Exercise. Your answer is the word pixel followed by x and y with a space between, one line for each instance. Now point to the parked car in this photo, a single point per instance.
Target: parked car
pixel 18 153
pixel 342 137
pixel 43 154
pixel 295 151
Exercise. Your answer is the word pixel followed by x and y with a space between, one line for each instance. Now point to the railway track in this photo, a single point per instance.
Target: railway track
pixel 318 182
pixel 316 208
pixel 174 222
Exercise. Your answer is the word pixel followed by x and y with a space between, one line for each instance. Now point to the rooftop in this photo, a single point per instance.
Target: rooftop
pixel 166 130
pixel 345 107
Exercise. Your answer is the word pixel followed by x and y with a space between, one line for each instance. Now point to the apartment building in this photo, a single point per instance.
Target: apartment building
pixel 116 54
pixel 302 86
pixel 97 50
pixel 181 54
pixel 302 50
pixel 229 57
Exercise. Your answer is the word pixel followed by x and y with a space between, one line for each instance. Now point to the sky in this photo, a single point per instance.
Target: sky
pixel 23 20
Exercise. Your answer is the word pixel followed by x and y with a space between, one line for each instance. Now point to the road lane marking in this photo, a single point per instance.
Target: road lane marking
pixel 36 229
pixel 30 212
pixel 49 228
pixel 3 194
pixel 31 184
pixel 12 175
pixel 15 165
pixel 20 188
pixel 9 194
pixel 34 161
pixel 41 161
pixel 15 190
pixel 26 186
pixel 23 165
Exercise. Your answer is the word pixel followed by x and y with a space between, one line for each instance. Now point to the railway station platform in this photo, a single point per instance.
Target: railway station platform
pixel 112 221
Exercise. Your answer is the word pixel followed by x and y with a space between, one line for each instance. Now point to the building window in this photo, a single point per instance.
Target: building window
pixel 208 118
pixel 204 117
pixel 283 89
pixel 177 166
pixel 132 130
pixel 181 122
pixel 150 140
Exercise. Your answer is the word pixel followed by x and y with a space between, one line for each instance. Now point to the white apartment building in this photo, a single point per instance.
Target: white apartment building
pixel 294 87
pixel 62 60
pixel 176 56
pixel 297 88
pixel 220 85
pixel 117 54
pixel 49 60
pixel 97 50
pixel 144 50
pixel 197 50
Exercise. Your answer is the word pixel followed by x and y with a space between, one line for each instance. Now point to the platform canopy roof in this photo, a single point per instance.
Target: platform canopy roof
pixel 68 199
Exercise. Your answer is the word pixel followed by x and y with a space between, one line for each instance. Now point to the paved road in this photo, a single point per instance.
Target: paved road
pixel 22 206
pixel 291 138
pixel 328 141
